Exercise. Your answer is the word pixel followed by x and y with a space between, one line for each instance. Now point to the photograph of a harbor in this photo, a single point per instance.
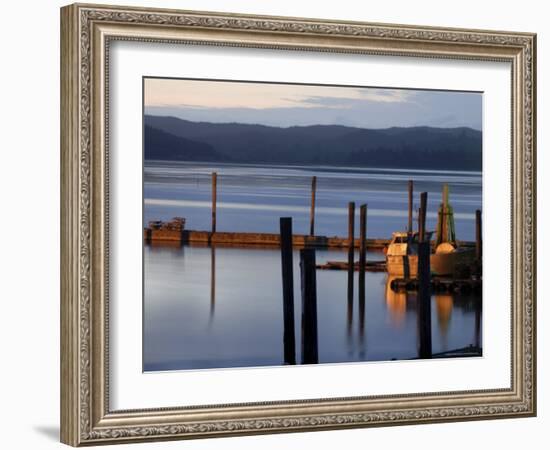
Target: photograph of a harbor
pixel 288 224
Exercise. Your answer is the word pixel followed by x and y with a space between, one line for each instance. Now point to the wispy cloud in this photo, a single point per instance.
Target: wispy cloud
pixel 291 104
pixel 388 95
pixel 363 95
pixel 221 94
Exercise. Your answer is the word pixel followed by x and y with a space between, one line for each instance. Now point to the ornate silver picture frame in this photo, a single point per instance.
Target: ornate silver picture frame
pixel 87 34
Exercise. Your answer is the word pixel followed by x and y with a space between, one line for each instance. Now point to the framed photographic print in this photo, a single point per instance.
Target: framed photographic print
pixel 277 224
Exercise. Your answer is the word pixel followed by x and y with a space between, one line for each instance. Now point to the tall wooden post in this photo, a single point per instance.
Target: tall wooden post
pixel 351 260
pixel 309 306
pixel 214 195
pixel 362 238
pixel 351 235
pixel 410 224
pixel 422 216
pixel 478 236
pixel 312 211
pixel 424 318
pixel 424 308
pixel 289 339
pixel 362 266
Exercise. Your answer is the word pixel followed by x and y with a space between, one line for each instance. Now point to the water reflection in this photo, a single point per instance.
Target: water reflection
pixel 212 282
pixel 208 307
pixel 444 310
pixel 397 303
pixel 362 298
pixel 402 304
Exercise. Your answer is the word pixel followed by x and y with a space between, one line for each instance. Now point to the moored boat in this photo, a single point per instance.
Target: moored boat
pixel 446 258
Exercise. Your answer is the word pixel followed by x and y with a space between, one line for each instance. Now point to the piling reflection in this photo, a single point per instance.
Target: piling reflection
pixel 478 323
pixel 350 304
pixel 194 283
pixel 402 304
pixel 212 283
pixel 362 298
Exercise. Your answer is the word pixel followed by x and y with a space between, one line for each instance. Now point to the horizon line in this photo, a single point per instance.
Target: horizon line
pixel 312 125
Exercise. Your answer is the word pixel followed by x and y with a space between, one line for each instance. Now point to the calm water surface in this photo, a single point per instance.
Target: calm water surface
pixel 222 307
pixel 252 198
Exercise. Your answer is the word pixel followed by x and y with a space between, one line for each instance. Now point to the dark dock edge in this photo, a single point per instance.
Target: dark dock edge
pixel 266 239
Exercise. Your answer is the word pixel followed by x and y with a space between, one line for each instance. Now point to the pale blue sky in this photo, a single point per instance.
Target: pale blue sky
pixel 290 104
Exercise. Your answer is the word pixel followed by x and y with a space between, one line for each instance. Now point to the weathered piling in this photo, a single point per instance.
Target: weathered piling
pixel 424 301
pixel 424 316
pixel 351 262
pixel 309 306
pixel 312 210
pixel 351 250
pixel 214 199
pixel 362 238
pixel 362 265
pixel 478 236
pixel 289 339
pixel 422 216
pixel 410 224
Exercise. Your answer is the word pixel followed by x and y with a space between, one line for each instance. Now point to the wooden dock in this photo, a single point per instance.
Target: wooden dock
pixel 152 235
pixel 261 239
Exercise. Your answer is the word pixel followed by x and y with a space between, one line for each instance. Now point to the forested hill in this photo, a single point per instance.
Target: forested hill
pixel 170 138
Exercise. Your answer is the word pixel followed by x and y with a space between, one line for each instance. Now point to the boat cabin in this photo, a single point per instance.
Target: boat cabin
pixel 403 243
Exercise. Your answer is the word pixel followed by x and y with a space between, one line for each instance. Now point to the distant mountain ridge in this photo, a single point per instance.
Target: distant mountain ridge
pixel 171 138
pixel 166 146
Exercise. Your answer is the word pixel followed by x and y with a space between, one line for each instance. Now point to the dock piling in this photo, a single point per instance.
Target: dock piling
pixel 214 199
pixel 312 211
pixel 424 316
pixel 410 224
pixel 309 306
pixel 422 216
pixel 289 339
pixel 478 236
pixel 362 238
pixel 351 240
pixel 362 265
pixel 351 260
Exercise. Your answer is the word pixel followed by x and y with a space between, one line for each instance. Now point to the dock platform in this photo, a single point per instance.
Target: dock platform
pixel 263 239
pixel 153 235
